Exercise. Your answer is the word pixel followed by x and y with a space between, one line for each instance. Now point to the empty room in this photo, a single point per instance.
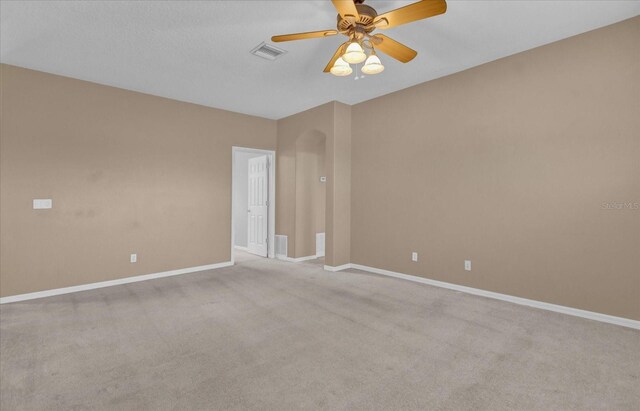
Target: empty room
pixel 320 205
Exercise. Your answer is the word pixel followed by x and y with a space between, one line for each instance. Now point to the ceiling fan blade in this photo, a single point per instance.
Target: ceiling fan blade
pixel 412 12
pixel 302 36
pixel 392 48
pixel 346 8
pixel 335 57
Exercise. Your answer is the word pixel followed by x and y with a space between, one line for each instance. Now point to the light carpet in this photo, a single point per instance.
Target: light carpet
pixel 273 335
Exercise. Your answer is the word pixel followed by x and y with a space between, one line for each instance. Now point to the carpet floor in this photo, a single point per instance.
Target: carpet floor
pixel 273 335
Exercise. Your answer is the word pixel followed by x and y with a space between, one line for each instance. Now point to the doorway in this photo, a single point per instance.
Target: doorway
pixel 253 202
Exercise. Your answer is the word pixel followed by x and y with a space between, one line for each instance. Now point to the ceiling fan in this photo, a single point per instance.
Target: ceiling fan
pixel 357 21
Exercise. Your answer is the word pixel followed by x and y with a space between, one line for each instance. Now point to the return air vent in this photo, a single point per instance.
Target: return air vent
pixel 281 245
pixel 267 51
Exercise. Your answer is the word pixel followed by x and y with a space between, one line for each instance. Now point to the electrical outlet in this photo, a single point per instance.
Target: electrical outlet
pixel 134 258
pixel 414 256
pixel 467 265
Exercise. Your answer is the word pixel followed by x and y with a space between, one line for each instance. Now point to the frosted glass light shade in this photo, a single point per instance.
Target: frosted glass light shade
pixel 354 54
pixel 372 65
pixel 341 68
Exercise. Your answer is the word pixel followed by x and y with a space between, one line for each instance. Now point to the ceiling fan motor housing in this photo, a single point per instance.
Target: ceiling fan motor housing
pixel 358 25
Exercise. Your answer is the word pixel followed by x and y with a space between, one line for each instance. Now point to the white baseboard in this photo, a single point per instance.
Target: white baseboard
pixel 625 322
pixel 296 260
pixel 337 268
pixel 102 284
pixel 239 247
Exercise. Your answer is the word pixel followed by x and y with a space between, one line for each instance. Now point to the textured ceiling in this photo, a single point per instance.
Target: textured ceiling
pixel 198 51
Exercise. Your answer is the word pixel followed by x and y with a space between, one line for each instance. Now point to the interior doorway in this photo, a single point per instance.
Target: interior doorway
pixel 253 202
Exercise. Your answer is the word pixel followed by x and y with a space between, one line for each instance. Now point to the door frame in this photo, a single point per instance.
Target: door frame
pixel 271 193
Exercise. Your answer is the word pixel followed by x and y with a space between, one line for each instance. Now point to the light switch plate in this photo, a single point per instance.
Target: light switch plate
pixel 42 203
pixel 467 265
pixel 134 258
pixel 414 256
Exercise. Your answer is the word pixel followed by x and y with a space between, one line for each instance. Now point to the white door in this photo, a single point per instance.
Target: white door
pixel 258 200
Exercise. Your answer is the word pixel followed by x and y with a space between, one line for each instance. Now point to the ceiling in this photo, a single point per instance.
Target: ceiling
pixel 199 51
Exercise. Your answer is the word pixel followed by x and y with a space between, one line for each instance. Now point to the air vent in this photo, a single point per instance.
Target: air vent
pixel 281 245
pixel 267 51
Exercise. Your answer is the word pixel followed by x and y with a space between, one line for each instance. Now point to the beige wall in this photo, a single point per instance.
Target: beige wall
pixel 127 172
pixel 333 122
pixel 338 226
pixel 310 192
pixel 313 124
pixel 509 165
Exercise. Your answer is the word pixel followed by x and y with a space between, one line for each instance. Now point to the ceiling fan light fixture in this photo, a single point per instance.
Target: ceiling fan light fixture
pixel 341 68
pixel 372 65
pixel 354 54
pixel 357 22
